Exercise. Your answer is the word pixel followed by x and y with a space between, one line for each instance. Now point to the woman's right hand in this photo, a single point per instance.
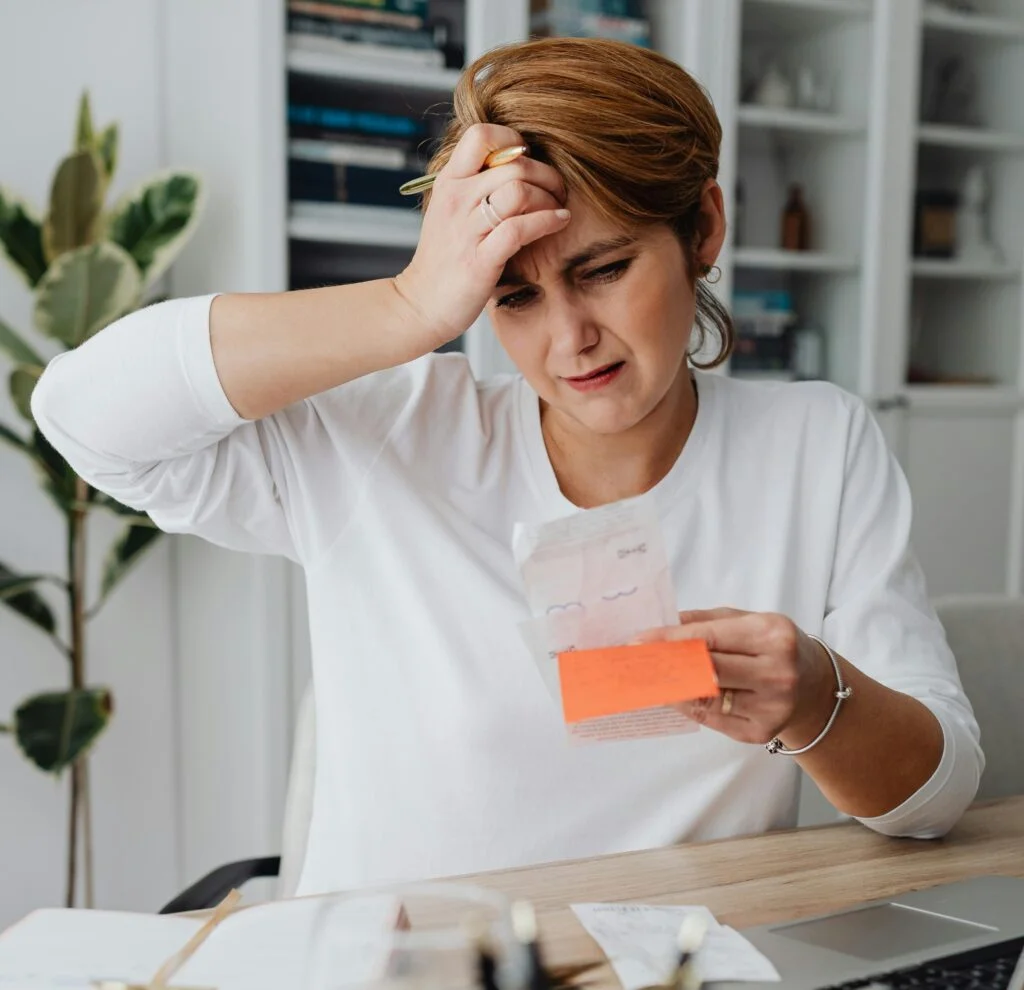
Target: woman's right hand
pixel 460 255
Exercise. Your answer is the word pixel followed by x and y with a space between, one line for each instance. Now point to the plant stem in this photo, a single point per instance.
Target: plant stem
pixel 69 899
pixel 87 850
pixel 76 607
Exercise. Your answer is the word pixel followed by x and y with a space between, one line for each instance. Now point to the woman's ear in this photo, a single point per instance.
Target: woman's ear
pixel 710 224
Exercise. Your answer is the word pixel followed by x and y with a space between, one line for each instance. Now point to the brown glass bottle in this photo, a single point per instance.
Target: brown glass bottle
pixel 796 222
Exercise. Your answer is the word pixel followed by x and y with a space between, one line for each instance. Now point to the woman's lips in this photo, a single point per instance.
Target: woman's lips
pixel 596 379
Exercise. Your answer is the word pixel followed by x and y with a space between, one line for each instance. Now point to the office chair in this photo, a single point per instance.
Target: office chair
pixel 986 634
pixel 214 887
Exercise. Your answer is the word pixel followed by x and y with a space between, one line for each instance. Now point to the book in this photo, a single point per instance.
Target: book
pixel 351 153
pixel 381 54
pixel 327 135
pixel 358 15
pixel 417 7
pixel 342 119
pixel 326 182
pixel 372 34
pixel 634 30
pixel 265 947
pixel 610 8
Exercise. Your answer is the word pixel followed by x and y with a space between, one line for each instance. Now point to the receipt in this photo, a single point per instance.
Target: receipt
pixel 639 941
pixel 597 578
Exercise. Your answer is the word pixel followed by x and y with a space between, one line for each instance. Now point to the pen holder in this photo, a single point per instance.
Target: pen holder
pixel 455 936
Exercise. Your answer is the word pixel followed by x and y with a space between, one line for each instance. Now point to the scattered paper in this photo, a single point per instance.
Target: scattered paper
pixel 639 941
pixel 596 579
pixel 259 948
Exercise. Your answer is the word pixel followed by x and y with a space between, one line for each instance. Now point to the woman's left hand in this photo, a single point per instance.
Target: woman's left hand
pixel 774 679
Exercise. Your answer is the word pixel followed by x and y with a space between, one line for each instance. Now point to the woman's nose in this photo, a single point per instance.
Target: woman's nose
pixel 573 331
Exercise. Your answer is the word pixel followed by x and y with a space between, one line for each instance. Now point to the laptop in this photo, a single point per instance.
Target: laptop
pixel 966 934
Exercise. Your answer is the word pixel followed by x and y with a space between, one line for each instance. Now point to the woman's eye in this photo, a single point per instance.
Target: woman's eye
pixel 515 300
pixel 610 272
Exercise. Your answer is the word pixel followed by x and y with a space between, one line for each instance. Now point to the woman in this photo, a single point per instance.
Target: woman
pixel 319 425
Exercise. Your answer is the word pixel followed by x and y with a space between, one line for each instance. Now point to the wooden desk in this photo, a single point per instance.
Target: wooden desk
pixel 765 878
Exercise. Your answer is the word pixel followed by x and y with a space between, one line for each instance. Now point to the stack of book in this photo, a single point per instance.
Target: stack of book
pixel 621 20
pixel 352 154
pixel 391 32
pixel 350 144
pixel 764 321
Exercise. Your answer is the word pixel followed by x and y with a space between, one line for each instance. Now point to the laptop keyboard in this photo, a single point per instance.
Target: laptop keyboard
pixel 989 968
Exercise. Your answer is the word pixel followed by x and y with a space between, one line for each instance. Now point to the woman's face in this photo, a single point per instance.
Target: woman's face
pixel 598 321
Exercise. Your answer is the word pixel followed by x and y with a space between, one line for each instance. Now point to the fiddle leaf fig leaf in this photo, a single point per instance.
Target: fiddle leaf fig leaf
pixel 125 553
pixel 21 238
pixel 58 478
pixel 84 291
pixel 56 728
pixel 17 348
pixel 154 222
pixel 76 202
pixel 18 443
pixel 103 501
pixel 22 383
pixel 84 136
pixel 17 592
pixel 108 145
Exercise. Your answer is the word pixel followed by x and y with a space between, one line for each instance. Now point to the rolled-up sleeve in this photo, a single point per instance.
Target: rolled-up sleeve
pixel 879 618
pixel 140 413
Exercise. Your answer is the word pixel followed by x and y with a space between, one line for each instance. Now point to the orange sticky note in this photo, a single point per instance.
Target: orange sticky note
pixel 620 679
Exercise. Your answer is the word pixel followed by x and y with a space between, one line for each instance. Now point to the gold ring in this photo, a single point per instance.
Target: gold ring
pixel 727 701
pixel 493 217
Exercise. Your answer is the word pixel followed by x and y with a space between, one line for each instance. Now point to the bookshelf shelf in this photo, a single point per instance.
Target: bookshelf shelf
pixel 1007 29
pixel 314 63
pixel 344 223
pixel 773 259
pixel 960 445
pixel 801 16
pixel 797 121
pixel 969 138
pixel 953 269
pixel 946 397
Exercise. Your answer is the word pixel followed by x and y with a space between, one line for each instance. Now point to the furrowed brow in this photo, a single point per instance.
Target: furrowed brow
pixel 590 253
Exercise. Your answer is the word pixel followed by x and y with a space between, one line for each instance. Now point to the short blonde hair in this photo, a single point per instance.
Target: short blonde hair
pixel 629 131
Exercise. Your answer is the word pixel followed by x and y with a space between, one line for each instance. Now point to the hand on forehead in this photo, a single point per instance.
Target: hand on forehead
pixel 584 240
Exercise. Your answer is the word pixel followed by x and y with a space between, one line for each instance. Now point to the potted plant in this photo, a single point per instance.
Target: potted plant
pixel 87 265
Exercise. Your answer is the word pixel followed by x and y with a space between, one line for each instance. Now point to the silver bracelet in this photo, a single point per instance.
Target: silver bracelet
pixel 841 694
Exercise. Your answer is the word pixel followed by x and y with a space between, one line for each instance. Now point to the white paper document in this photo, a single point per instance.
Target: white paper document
pixel 640 943
pixel 597 578
pixel 265 947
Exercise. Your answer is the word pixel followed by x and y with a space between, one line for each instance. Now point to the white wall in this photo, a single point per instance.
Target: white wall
pixel 223 109
pixel 50 51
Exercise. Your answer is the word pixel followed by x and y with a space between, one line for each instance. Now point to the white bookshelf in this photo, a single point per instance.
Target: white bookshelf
pixel 803 15
pixel 364 70
pixel 940 268
pixel 969 138
pixel 973 25
pixel 777 260
pixel 797 121
pixel 964 398
pixel 345 223
pixel 962 447
pixel 883 311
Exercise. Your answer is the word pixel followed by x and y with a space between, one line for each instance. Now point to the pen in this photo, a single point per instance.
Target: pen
pixel 688 941
pixel 160 981
pixel 503 156
pixel 524 924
